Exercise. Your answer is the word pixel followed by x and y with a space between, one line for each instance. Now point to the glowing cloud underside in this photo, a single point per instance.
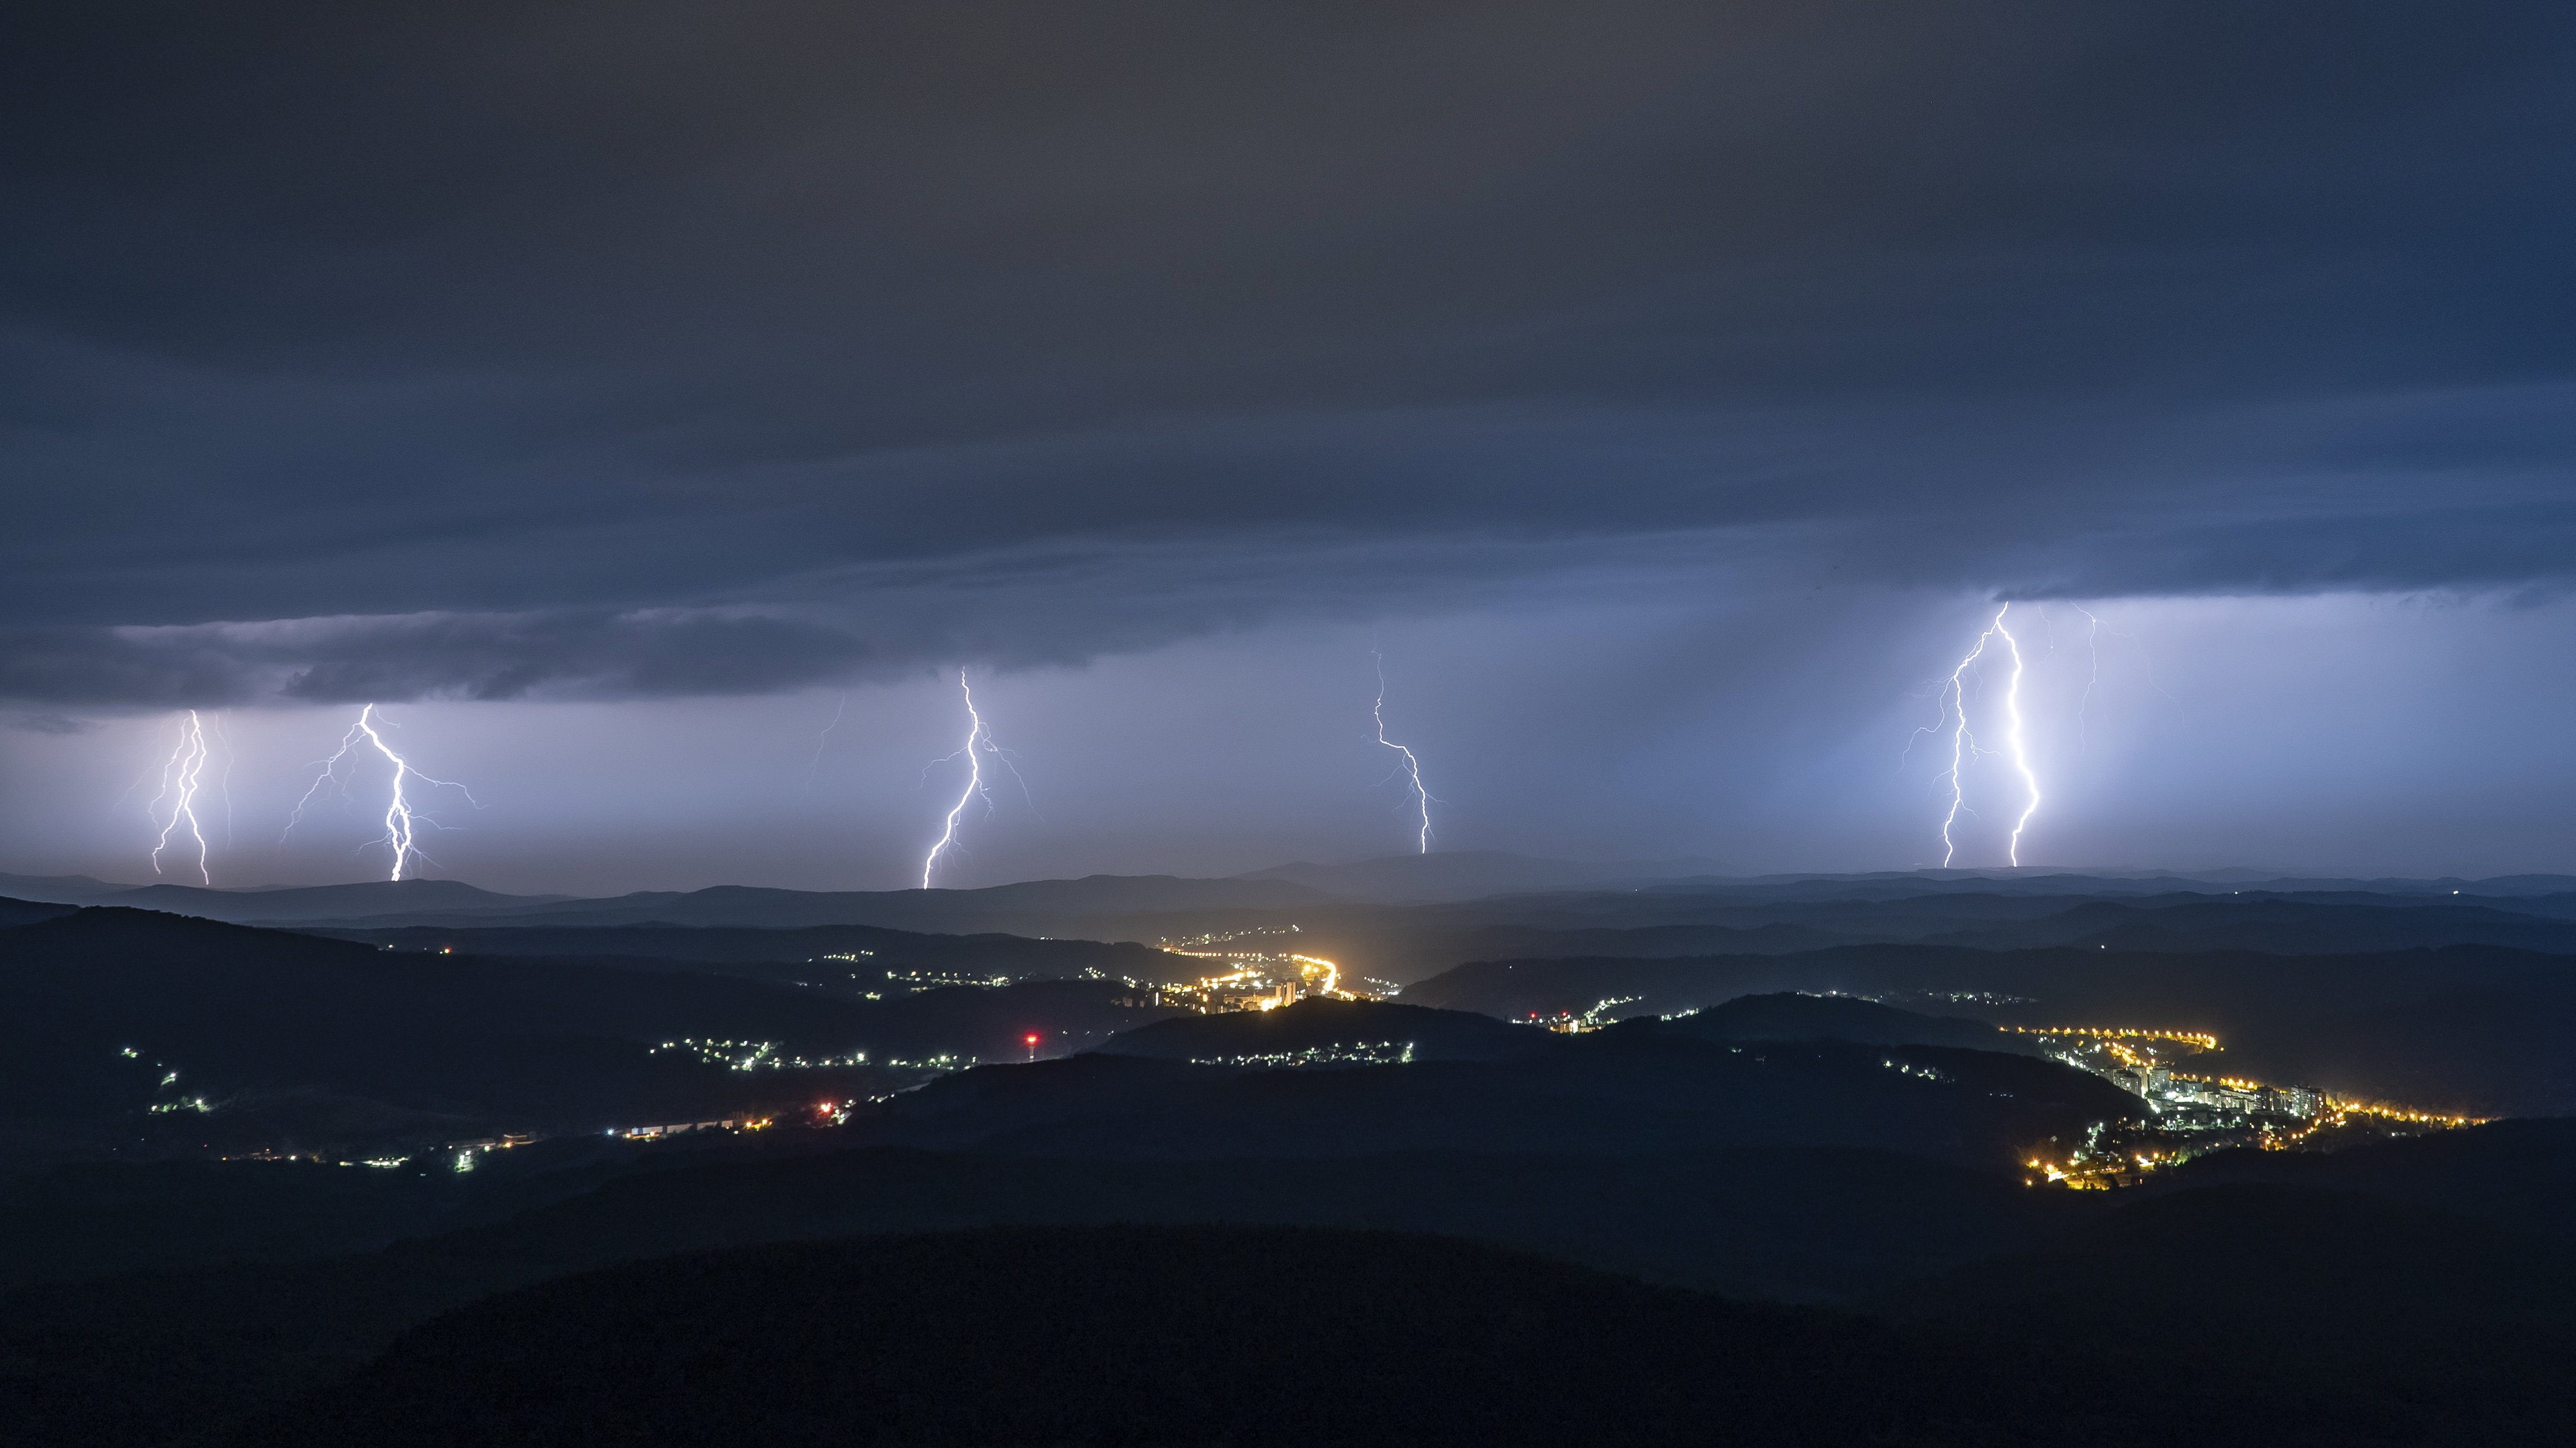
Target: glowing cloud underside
pixel 1963 741
pixel 1411 768
pixel 401 817
pixel 977 742
pixel 180 776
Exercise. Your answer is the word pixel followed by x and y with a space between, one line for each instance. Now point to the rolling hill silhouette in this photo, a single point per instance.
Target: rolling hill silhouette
pixel 300 1042
pixel 1323 1025
pixel 1149 1335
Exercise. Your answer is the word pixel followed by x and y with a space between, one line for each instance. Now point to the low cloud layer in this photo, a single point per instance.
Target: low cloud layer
pixel 652 350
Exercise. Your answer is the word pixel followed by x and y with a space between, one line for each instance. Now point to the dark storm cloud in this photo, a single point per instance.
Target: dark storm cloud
pixel 646 349
pixel 1004 610
pixel 474 656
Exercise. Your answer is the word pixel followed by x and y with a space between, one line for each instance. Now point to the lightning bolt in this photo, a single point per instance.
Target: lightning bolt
pixel 180 775
pixel 1963 742
pixel 979 742
pixel 1411 768
pixel 401 822
pixel 822 737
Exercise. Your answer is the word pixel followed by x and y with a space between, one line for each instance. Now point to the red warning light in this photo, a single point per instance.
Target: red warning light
pixel 1031 1038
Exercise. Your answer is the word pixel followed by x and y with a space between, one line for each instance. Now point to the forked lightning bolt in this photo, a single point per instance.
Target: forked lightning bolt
pixel 180 775
pixel 978 744
pixel 400 819
pixel 1963 741
pixel 1411 768
pixel 2092 676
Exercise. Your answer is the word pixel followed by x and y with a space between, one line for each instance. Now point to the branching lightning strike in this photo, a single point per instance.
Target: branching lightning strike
pixel 180 776
pixel 2092 676
pixel 979 742
pixel 1411 768
pixel 1963 741
pixel 401 820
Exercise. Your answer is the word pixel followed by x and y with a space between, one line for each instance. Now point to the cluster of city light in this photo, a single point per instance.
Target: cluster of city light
pixel 169 1078
pixel 685 1128
pixel 1592 1018
pixel 2205 1113
pixel 1332 973
pixel 2381 1110
pixel 1954 997
pixel 756 1055
pixel 1335 1053
pixel 1215 937
pixel 2200 1039
pixel 945 1061
pixel 918 981
pixel 381 1163
pixel 1260 980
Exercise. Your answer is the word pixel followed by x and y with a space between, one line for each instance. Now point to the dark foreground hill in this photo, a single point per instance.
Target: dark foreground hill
pixel 1255 1336
pixel 2246 1324
pixel 2354 1318
pixel 1242 1336
pixel 192 1350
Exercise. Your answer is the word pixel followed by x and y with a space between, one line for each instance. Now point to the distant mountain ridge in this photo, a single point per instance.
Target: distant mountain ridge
pixel 1507 884
pixel 1469 874
pixel 1029 907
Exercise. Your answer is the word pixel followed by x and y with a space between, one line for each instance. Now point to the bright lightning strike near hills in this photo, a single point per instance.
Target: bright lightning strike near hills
pixel 1411 768
pixel 180 775
pixel 979 742
pixel 401 820
pixel 1963 741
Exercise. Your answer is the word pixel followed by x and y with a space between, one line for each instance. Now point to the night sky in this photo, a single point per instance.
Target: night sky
pixel 618 394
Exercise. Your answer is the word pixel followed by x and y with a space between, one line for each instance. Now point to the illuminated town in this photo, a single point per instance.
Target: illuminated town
pixel 1257 980
pixel 2190 1114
